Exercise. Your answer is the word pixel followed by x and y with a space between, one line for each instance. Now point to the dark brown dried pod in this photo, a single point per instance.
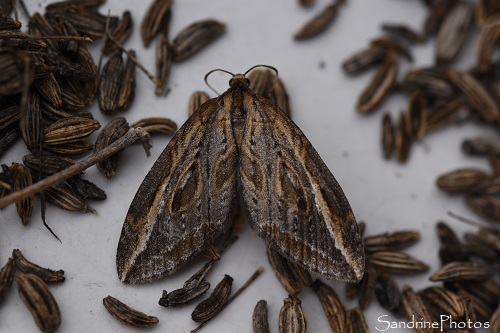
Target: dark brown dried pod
pixel 381 84
pixel 334 309
pixel 184 295
pixel 356 322
pixel 128 315
pixel 48 88
pixel 414 307
pixel 85 23
pixel 30 122
pixel 392 45
pixel 6 278
pixel 121 33
pixel 367 286
pixel 63 196
pixel 398 263
pixel 292 318
pixel 157 14
pixel 318 24
pixel 26 266
pixel 488 41
pixel 39 301
pixel 402 139
pixel 456 271
pixel 114 129
pixel 437 13
pixel 447 113
pixel 484 205
pixel 126 93
pixel 451 248
pixel 301 274
pixel 462 180
pixel 396 240
pixel 109 85
pixel 481 146
pixel 164 56
pixel 21 177
pixel 446 301
pixel 388 293
pixel 453 32
pixel 361 61
pixel 481 310
pixel 8 138
pixel 156 125
pixel 388 140
pixel 431 82
pixel 404 32
pixel 283 272
pixel 211 306
pixel 9 116
pixel 260 322
pixel 68 130
pixel 76 148
pixel 475 95
pixel 195 37
pixel 196 100
pixel 16 71
pixel 86 189
pixel 417 115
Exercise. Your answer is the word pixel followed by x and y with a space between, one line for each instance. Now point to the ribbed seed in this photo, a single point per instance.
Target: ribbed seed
pixel 164 56
pixel 196 100
pixel 22 178
pixel 6 278
pixel 415 309
pixel 391 241
pixel 453 32
pixel 334 309
pixel 446 301
pixel 211 306
pixel 114 130
pixel 184 295
pixel 283 272
pixel 388 140
pixel 363 60
pixel 69 130
pixel 481 146
pixel 121 33
pixel 462 180
pixel 292 318
pixel 356 322
pixel 154 19
pixel 26 266
pixel 318 24
pixel 455 271
pixel 398 262
pixel 260 322
pixel 109 85
pixel 126 93
pixel 156 125
pixel 128 315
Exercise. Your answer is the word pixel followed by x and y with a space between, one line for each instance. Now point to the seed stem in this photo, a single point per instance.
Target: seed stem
pixel 236 294
pixel 129 138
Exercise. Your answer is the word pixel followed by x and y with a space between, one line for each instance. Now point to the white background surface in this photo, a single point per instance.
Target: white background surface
pixel 386 195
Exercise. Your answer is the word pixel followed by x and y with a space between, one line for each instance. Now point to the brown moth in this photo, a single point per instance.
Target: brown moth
pixel 239 149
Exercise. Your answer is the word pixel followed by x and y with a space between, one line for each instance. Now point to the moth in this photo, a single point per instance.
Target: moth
pixel 239 150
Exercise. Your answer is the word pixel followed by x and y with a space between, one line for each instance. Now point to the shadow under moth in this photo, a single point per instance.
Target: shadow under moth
pixel 239 150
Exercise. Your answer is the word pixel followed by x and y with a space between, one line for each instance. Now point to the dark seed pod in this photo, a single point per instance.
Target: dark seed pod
pixel 318 24
pixel 126 93
pixel 398 263
pixel 414 307
pixel 6 278
pixel 260 323
pixel 444 300
pixel 455 271
pixel 334 309
pixel 388 293
pixel 183 295
pixel 25 266
pixel 462 180
pixel 356 322
pixel 127 315
pixel 211 306
pixel 292 318
pixel 283 272
pixel 109 85
pixel 393 241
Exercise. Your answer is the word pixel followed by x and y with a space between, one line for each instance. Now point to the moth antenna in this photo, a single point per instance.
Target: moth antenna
pixel 215 70
pixel 262 65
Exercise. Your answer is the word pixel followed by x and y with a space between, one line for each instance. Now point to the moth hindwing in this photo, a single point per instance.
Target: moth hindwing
pixel 239 149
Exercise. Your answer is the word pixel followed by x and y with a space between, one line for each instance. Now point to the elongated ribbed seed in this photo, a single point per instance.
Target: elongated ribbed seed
pixel 481 146
pixel 196 100
pixel 462 180
pixel 398 262
pixel 215 302
pixel 362 60
pixel 388 140
pixel 446 301
pixel 283 272
pixel 154 19
pixel 69 130
pixel 22 178
pixel 396 240
pixel 109 83
pixel 318 24
pixel 334 309
pixel 164 56
pixel 128 315
pixel 26 266
pixel 260 322
pixel 6 278
pixel 292 318
pixel 156 125
pixel 184 295
pixel 126 93
pixel 455 271
pixel 414 307
pixel 121 33
pixel 114 130
pixel 356 322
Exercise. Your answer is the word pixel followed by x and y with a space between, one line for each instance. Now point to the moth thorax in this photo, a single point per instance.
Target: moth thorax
pixel 239 81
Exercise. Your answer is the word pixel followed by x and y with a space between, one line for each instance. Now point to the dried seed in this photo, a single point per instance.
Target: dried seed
pixel 318 24
pixel 126 93
pixel 414 308
pixel 487 11
pixel 388 293
pixel 127 315
pixel 48 88
pixel 356 322
pixel 397 240
pixel 450 112
pixel 76 148
pixel 462 180
pixel 453 32
pixel 195 37
pixel 404 32
pixel 22 178
pixel 279 96
pixel 121 33
pixel 398 263
pixel 417 115
pixel 25 266
pixel 292 318
pixel 432 82
pixel 481 146
pixel 39 301
pixel 9 116
pixel 157 14
pixel 334 309
pixel 86 189
pixel 30 122
pixel 215 302
pixel 455 271
pixel 381 84
pixel 485 205
pixel 69 130
pixel 7 139
pixel 402 139
pixel 363 60
pixel 109 85
pixel 63 196
pixel 196 100
pixel 488 40
pixel 451 248
pixel 199 276
pixel 283 272
pixel 114 130
pixel 164 56
pixel 260 323
pixel 392 45
pixel 184 295
pixel 387 135
pixel 444 300
pixel 475 95
pixel 6 278
pixel 481 310
pixel 301 274
pixel 367 286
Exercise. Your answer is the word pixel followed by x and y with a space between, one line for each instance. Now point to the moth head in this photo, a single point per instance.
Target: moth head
pixel 237 80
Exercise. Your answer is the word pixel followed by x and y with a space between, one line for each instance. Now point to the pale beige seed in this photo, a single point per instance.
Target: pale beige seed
pixel 6 278
pixel 39 301
pixel 260 322
pixel 283 272
pixel 318 24
pixel 356 322
pixel 415 309
pixel 398 263
pixel 334 309
pixel 26 266
pixel 292 318
pixel 128 315
pixel 196 100
pixel 388 139
pixel 446 301
pixel 455 271
pixel 211 306
pixel 396 240
pixel 463 180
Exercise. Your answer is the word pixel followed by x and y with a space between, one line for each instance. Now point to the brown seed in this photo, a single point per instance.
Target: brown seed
pixel 402 139
pixel 292 318
pixel 279 96
pixel 417 115
pixel 381 84
pixel 361 61
pixel 356 322
pixel 301 274
pixel 447 113
pixel 195 37
pixel 164 56
pixel 184 295
pixel 26 266
pixel 387 135
pixel 22 178
pixel 462 180
pixel 415 309
pixel 392 45
pixel 48 88
pixel 444 300
pixel 196 100
pixel 453 32
pixel 432 82
pixel 127 315
pixel 69 130
pixel 397 240
pixel 154 19
pixel 39 301
pixel 156 125
pixel 63 196
pixel 126 93
pixel 260 322
pixel 9 116
pixel 76 148
pixel 114 130
pixel 199 276
pixel 211 306
pixel 455 271
pixel 367 286
pixel 6 278
pixel 318 24
pixel 488 40
pixel 451 248
pixel 486 12
pixel 481 146
pixel 109 85
pixel 334 309
pixel 121 33
pixel 398 263
pixel 283 272
pixel 30 122
pixel 484 205
pixel 388 293
pixel 404 32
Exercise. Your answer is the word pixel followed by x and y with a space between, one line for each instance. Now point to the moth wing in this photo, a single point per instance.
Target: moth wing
pixel 185 202
pixel 292 200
